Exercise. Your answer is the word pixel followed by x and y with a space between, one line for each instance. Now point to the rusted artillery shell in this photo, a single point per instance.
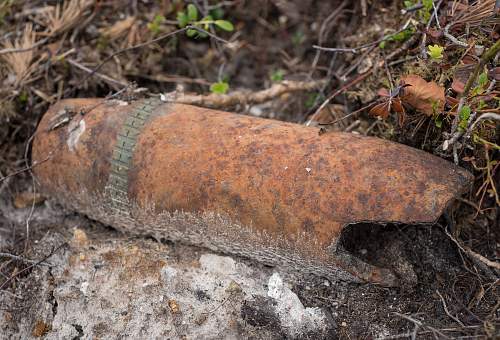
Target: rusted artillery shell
pixel 272 191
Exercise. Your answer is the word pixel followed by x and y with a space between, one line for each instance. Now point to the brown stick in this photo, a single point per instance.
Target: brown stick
pixel 248 97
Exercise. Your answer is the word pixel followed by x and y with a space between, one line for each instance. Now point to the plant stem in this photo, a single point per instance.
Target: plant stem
pixel 487 56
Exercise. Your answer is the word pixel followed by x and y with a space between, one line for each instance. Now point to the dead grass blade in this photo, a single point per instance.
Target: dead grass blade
pixel 476 14
pixel 65 17
pixel 119 28
pixel 21 63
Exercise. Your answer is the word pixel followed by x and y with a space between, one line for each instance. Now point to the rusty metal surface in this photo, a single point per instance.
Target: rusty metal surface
pixel 279 191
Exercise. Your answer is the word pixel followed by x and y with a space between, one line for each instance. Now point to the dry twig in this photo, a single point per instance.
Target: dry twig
pixel 18 258
pixel 4 284
pixel 248 97
pixel 97 74
pixel 472 254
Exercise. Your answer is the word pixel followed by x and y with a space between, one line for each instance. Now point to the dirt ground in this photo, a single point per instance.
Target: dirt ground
pixel 65 276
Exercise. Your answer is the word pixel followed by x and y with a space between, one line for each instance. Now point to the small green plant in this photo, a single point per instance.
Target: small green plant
pixel 277 76
pixel 220 87
pixel 298 38
pixel 23 97
pixel 482 84
pixel 155 25
pixel 190 18
pixel 464 116
pixel 482 79
pixel 435 52
pixel 398 37
pixel 423 14
pixel 312 99
pixel 438 121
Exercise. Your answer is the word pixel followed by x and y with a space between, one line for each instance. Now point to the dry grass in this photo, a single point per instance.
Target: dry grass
pixel 475 14
pixel 21 64
pixel 65 17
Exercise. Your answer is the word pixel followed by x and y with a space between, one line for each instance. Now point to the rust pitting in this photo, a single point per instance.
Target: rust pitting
pixel 273 191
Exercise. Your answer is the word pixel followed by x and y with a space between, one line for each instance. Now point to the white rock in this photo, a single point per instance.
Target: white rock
pixel 294 317
pixel 218 264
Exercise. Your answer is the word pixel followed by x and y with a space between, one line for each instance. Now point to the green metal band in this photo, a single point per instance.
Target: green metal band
pixel 121 160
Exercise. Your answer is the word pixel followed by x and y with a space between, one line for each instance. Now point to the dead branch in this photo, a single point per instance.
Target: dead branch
pixel 472 254
pixel 27 168
pixel 4 284
pixel 356 49
pixel 17 258
pixel 419 324
pixel 246 97
pixel 99 75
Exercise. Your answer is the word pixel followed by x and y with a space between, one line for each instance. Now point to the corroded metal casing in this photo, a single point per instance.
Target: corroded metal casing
pixel 272 191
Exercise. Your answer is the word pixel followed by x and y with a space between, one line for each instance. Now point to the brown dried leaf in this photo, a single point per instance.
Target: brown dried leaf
pixel 423 96
pixel 397 106
pixel 381 110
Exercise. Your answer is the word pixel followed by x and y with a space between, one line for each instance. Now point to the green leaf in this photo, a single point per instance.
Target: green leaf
pixel 217 13
pixel 465 112
pixel 402 36
pixel 408 4
pixel 435 52
pixel 155 25
pixel 208 19
pixel 438 121
pixel 428 4
pixel 277 76
pixel 192 12
pixel 483 79
pixel 219 87
pixel 23 97
pixel 298 38
pixel 191 32
pixel 182 19
pixel 311 100
pixel 464 116
pixel 225 25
